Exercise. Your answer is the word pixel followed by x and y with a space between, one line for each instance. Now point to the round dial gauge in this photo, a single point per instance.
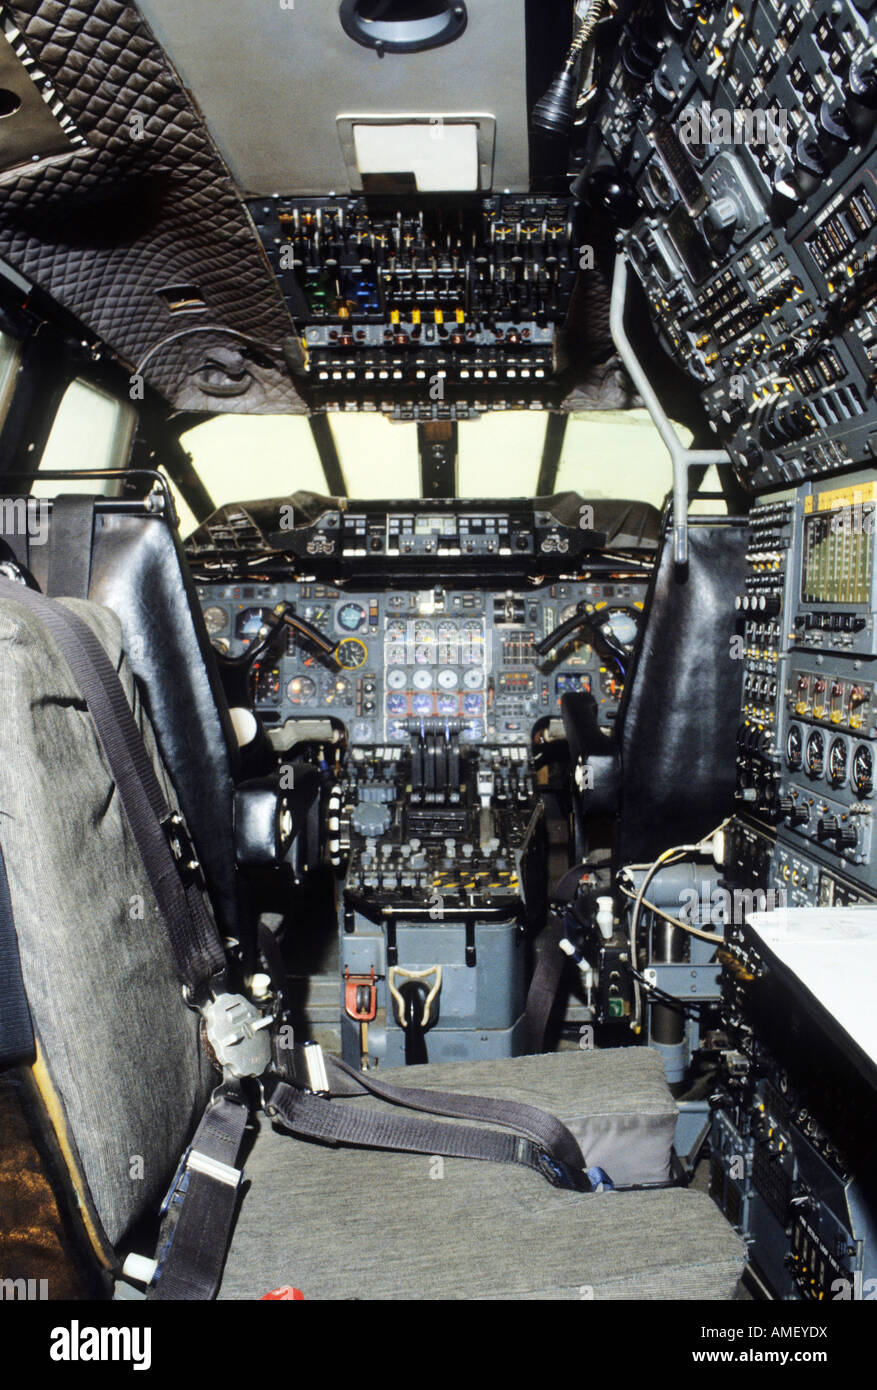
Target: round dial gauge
pixel 794 747
pixel 447 679
pixel 422 654
pixel 422 704
pixel 351 654
pixel 837 762
pixel 816 754
pixel 422 679
pixel 337 690
pixel 317 616
pixel 215 620
pixel 362 731
pixel 301 690
pixel 447 704
pixel 351 617
pixel 473 679
pixel 396 679
pixel 863 770
pixel 397 704
pixel 473 704
pixel 395 632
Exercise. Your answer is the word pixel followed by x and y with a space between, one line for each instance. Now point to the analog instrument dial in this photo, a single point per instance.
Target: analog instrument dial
pixel 301 690
pixel 351 653
pixel 863 770
pixel 816 754
pixel 215 620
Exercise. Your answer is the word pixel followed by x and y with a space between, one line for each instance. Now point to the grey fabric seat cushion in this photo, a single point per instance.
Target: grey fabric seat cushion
pixel 615 1101
pixel 107 1008
pixel 355 1224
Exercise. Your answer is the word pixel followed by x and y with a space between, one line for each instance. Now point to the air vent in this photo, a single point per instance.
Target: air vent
pixel 403 26
pixel 183 299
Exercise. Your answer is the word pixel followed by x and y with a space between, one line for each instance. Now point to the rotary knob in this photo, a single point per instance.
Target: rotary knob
pixel 863 81
pixel 723 214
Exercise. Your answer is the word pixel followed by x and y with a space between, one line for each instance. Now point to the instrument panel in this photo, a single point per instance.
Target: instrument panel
pixel 413 659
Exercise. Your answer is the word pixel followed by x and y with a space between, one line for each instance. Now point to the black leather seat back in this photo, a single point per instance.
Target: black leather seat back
pixel 678 722
pixel 138 569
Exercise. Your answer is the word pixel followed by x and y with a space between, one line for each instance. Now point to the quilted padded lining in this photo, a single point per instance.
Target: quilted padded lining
pixel 104 231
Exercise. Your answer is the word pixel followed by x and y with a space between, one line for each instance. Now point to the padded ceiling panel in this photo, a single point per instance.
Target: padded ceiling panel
pixel 272 79
pixel 149 206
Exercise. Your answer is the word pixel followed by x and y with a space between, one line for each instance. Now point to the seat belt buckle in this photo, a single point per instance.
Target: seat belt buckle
pixel 182 848
pixel 309 1069
pixel 238 1032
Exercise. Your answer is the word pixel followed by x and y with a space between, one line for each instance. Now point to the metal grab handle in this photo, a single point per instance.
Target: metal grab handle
pixel 681 458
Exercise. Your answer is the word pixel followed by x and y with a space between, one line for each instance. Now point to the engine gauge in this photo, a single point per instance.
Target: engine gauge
pixel 350 617
pixel 351 653
pixel 301 690
pixel 337 691
pixel 837 762
pixel 421 704
pixel 447 704
pixel 447 679
pixel 473 704
pixel 815 754
pixel 794 747
pixel 473 679
pixel 422 678
pixel 397 704
pixel 863 770
pixel 396 679
pixel 215 620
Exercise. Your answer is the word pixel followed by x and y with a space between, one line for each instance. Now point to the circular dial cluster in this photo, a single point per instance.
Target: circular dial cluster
pixel 839 760
pixel 435 668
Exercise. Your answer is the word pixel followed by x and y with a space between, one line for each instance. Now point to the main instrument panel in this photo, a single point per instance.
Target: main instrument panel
pixel 425 658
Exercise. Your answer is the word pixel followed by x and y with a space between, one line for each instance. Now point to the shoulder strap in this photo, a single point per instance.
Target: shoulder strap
pixel 194 940
pixel 70 540
pixel 16 1027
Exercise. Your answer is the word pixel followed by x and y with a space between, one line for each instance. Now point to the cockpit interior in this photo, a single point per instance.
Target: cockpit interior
pixel 438 662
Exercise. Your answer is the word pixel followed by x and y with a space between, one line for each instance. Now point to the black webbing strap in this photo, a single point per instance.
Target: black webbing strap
pixel 208 1180
pixel 539 1125
pixel 540 1141
pixel 197 949
pixel 16 1028
pixel 70 540
pixel 544 984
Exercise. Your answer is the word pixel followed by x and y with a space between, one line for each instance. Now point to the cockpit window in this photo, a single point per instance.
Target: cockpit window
pixel 91 430
pixel 523 453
